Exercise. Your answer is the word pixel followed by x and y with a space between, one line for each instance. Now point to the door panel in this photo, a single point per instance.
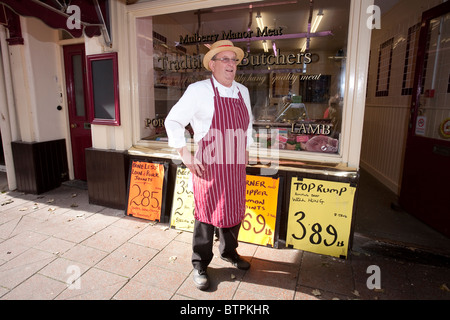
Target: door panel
pixel 80 129
pixel 426 171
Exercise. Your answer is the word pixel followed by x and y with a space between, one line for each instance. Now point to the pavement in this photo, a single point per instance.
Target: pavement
pixel 57 246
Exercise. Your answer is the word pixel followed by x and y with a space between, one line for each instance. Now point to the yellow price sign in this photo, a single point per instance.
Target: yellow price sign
pixel 258 226
pixel 182 215
pixel 320 216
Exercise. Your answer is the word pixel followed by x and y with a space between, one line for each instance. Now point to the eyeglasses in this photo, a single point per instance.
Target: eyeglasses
pixel 227 60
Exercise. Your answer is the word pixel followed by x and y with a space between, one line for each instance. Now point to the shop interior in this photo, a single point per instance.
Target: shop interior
pixel 294 67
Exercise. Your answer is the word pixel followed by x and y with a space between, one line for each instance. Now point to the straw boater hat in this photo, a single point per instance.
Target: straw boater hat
pixel 219 46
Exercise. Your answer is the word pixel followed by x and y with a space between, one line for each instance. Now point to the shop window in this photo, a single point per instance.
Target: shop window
pixel 296 82
pixel 448 88
pixel 384 68
pixel 410 55
pixel 103 89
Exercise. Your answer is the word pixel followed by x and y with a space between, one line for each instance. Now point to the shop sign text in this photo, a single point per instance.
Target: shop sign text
pixel 229 35
pixel 195 62
pixel 313 129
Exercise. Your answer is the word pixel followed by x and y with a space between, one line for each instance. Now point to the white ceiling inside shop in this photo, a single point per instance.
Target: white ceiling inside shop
pixel 290 15
pixel 385 5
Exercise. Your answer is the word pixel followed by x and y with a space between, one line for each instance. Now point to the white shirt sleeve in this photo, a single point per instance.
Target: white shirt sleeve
pixel 195 107
pixel 179 117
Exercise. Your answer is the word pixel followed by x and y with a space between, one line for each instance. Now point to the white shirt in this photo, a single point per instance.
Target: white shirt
pixel 196 107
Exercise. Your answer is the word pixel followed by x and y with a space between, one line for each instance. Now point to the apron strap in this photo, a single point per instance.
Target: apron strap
pixel 216 91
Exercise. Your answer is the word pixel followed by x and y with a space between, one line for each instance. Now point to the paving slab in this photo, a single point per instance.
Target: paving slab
pixel 57 246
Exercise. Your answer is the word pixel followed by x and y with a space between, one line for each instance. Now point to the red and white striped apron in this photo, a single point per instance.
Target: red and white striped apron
pixel 220 192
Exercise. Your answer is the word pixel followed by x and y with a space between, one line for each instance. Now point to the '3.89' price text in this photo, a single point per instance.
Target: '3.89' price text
pixel 316 236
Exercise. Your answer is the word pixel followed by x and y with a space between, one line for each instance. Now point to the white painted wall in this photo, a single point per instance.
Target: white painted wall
pixel 42 84
pixel 115 137
pixel 30 87
pixel 386 118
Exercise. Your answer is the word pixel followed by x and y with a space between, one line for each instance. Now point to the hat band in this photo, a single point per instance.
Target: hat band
pixel 225 45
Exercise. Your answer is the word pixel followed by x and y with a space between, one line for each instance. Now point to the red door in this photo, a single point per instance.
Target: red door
pixel 80 128
pixel 425 191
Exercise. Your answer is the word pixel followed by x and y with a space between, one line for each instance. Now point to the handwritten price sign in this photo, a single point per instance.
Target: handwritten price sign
pixel 145 190
pixel 182 215
pixel 259 223
pixel 320 216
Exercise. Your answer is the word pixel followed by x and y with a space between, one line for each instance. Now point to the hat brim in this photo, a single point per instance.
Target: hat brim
pixel 239 54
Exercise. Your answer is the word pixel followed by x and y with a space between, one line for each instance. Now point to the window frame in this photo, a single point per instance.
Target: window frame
pixel 90 59
pixel 358 49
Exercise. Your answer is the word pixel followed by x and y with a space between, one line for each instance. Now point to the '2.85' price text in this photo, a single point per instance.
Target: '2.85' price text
pixel 145 198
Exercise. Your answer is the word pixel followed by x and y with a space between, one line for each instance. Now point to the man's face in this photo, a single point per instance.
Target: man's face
pixel 224 72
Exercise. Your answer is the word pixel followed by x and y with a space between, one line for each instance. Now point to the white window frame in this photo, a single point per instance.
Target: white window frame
pixel 359 36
